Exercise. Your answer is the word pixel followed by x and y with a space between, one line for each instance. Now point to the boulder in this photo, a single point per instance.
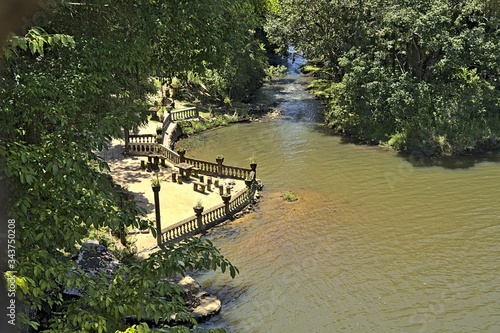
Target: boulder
pixel 209 306
pixel 202 304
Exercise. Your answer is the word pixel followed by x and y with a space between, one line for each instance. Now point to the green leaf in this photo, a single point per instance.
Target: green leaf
pixel 55 169
pixel 232 271
pixel 22 284
pixel 33 46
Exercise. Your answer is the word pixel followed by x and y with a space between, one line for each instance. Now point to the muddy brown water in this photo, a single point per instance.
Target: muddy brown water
pixel 376 242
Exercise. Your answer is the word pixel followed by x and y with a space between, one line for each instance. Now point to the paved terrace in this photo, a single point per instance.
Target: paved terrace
pixel 176 200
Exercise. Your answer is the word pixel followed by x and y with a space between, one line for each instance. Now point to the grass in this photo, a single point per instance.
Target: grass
pixel 190 127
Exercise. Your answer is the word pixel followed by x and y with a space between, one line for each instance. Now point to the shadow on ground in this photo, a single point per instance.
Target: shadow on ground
pixel 128 172
pixel 143 202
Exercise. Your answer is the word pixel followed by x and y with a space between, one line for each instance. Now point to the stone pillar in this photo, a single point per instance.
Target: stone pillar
pixel 248 182
pixel 156 190
pixel 253 166
pixel 198 210
pixel 209 183
pixel 181 155
pixel 149 166
pixel 219 160
pixel 196 111
pixel 226 198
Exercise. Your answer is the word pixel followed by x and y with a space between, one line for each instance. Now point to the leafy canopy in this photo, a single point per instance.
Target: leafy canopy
pixel 67 87
pixel 420 75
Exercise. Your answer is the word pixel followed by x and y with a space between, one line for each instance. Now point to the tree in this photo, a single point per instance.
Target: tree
pixel 422 76
pixel 66 89
pixel 213 42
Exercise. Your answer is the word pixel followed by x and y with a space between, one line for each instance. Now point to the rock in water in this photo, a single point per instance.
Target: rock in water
pixel 203 304
pixel 209 306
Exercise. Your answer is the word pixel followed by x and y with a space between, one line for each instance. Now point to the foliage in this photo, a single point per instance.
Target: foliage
pixel 289 196
pixel 66 89
pixel 190 127
pixel 422 76
pixel 223 57
pixel 143 328
pixel 274 72
pixel 155 180
pixel 35 41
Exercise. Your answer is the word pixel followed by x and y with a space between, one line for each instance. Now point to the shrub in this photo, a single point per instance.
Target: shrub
pixel 289 196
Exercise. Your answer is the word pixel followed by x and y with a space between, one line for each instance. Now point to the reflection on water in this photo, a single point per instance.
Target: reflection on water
pixel 376 243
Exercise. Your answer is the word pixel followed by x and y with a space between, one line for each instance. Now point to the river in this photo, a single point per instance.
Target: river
pixel 377 242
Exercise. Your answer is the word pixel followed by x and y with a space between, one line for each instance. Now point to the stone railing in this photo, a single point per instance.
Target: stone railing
pixel 169 154
pixel 186 113
pixel 219 170
pixel 143 144
pixel 146 145
pixel 206 168
pixel 240 199
pixel 167 120
pixel 200 223
pixel 235 172
pixel 185 228
pixel 216 213
pixel 142 138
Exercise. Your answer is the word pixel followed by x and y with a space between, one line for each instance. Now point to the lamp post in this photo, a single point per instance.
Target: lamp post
pixel 156 190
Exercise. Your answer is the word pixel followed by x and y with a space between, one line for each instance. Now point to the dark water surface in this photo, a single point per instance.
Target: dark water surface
pixel 376 242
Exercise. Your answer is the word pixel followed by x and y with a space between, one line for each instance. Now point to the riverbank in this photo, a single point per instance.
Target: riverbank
pixel 429 130
pixel 374 237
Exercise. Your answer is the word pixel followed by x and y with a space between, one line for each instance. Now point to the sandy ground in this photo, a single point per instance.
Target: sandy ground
pixel 176 200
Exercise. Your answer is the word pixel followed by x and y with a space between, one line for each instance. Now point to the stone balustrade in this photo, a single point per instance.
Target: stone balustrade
pixel 169 154
pixel 211 217
pixel 145 144
pixel 239 200
pixel 213 214
pixel 167 120
pixel 206 168
pixel 186 113
pixel 142 138
pixel 235 172
pixel 185 228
